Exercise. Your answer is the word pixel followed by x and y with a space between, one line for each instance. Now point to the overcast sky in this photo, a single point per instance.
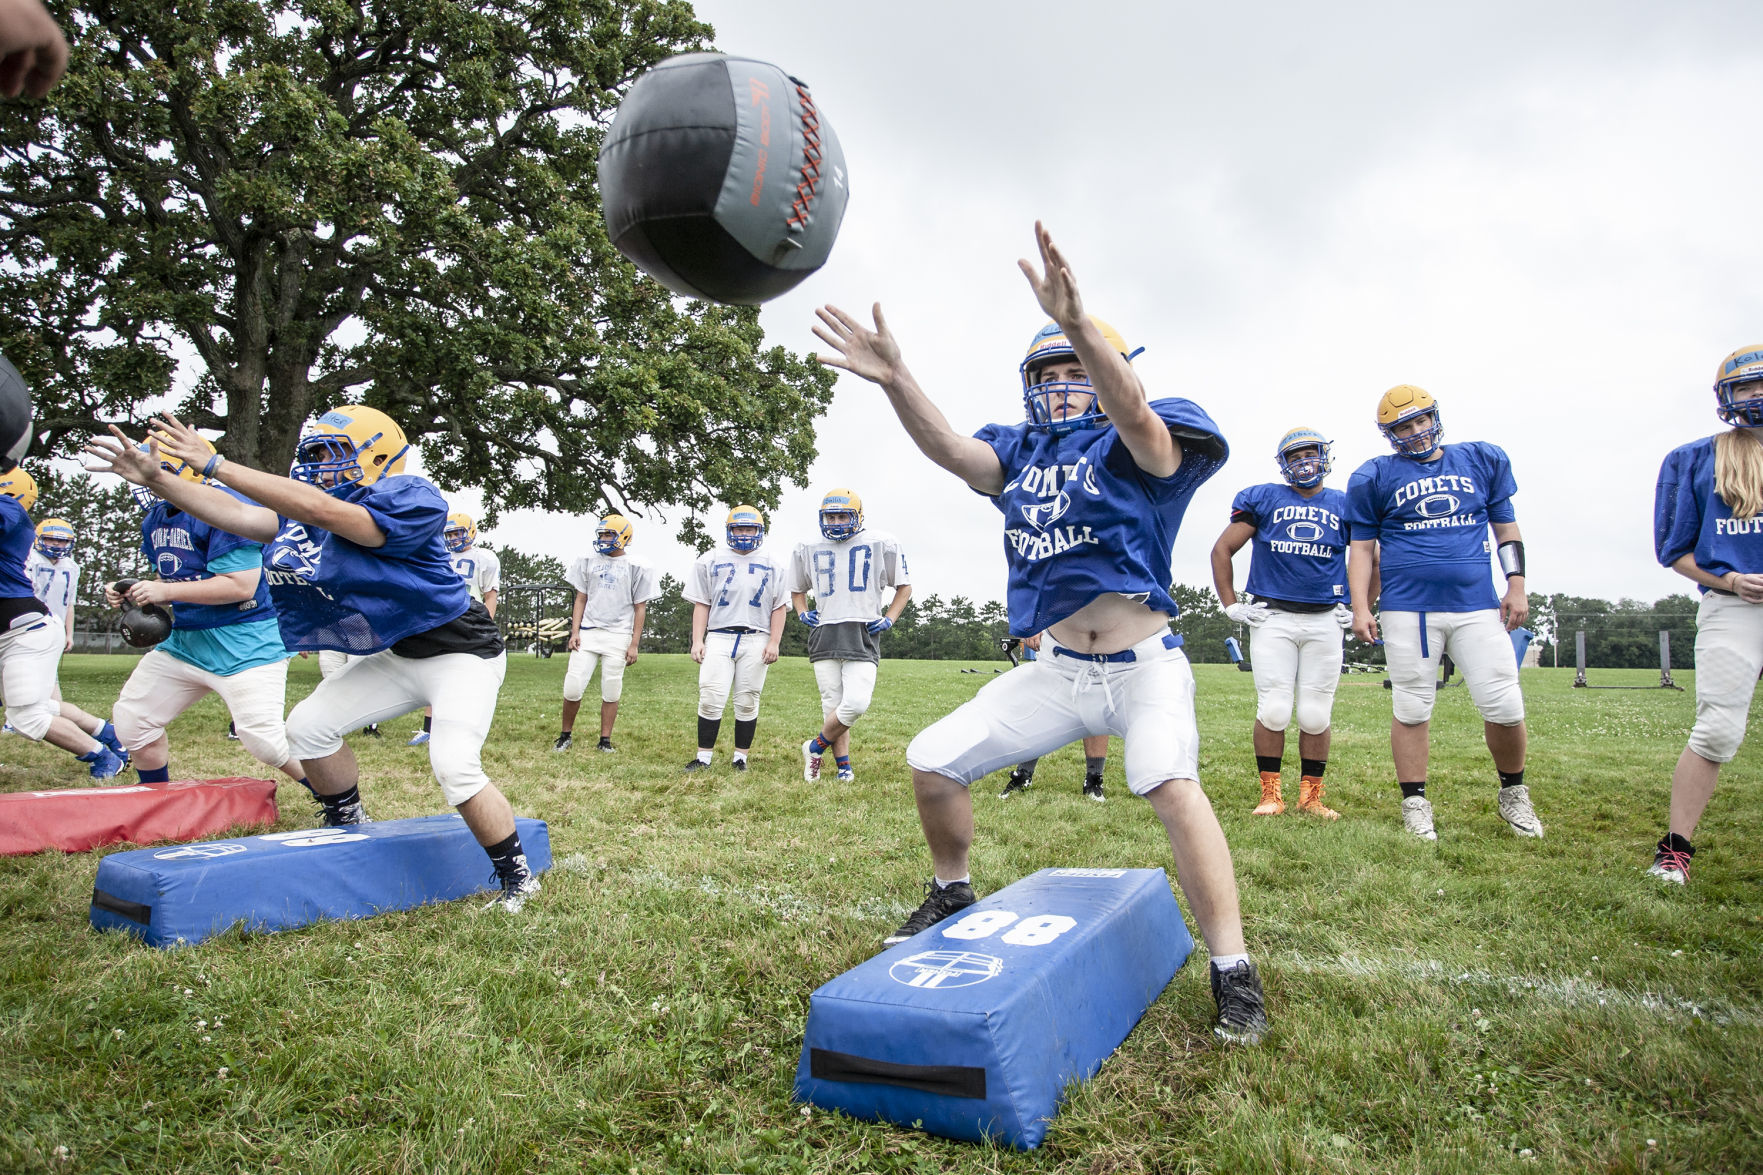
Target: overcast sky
pixel 1546 214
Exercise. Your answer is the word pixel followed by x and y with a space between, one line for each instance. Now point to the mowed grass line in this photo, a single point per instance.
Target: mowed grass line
pixel 1485 1003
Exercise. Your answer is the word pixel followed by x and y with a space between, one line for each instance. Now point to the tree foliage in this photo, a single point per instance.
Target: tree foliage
pixel 386 201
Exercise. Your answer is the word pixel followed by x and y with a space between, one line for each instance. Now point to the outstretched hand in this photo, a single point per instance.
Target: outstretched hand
pixel 177 441
pixel 1054 286
pixel 121 456
pixel 872 354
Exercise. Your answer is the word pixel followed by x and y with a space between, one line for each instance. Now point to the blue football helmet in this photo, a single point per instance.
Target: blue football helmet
pixel 745 529
pixel 1308 470
pixel 613 534
pixel 1743 368
pixel 841 515
pixel 1403 403
pixel 1048 345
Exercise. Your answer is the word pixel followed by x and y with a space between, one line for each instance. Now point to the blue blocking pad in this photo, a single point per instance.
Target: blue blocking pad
pixel 183 894
pixel 974 1028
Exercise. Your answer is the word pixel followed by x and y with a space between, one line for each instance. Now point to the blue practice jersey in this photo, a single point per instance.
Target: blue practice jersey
pixel 1688 516
pixel 1430 520
pixel 1081 519
pixel 16 536
pixel 1300 545
pixel 332 594
pixel 181 548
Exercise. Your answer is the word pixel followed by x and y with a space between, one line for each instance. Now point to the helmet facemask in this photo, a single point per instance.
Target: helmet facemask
pixel 1421 443
pixel 1740 402
pixel 1305 464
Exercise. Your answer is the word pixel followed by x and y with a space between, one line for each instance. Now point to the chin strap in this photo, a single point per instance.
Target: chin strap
pixel 1512 557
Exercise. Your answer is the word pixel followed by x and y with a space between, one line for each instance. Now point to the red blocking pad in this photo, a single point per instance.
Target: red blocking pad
pixel 183 894
pixel 79 819
pixel 973 1028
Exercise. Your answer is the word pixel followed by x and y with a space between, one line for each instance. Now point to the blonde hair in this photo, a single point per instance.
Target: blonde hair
pixel 1738 471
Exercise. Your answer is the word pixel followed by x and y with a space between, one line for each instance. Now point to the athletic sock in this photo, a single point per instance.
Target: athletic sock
pixel 106 734
pixel 154 774
pixel 426 719
pixel 744 729
pixel 965 877
pixel 341 800
pixel 708 729
pixel 508 857
pixel 1312 767
pixel 842 762
pixel 1410 790
pixel 740 756
pixel 1511 778
pixel 1676 843
pixel 564 733
pixel 1267 764
pixel 1095 764
pixel 818 745
pixel 1226 962
pixel 706 756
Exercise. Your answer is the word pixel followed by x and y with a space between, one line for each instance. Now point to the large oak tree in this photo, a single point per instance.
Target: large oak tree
pixel 384 201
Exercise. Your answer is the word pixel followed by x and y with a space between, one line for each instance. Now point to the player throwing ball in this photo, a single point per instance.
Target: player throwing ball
pixel 848 571
pixel 1092 488
pixel 1298 576
pixel 612 594
pixel 353 554
pixel 1706 528
pixel 1420 519
pixel 738 608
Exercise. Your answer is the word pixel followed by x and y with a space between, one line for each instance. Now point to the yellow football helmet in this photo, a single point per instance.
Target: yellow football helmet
pixel 1403 403
pixel 1049 344
pixel 461 532
pixel 840 505
pixel 21 485
pixel 350 445
pixel 745 528
pixel 55 538
pixel 613 534
pixel 1744 366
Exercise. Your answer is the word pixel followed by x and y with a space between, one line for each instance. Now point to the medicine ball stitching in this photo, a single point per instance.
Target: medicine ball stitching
pixel 800 207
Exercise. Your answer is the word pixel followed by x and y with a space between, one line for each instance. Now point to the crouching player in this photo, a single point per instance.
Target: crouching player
pixel 31 644
pixel 356 564
pixel 739 603
pixel 1298 576
pixel 1707 528
pixel 224 638
pixel 1092 487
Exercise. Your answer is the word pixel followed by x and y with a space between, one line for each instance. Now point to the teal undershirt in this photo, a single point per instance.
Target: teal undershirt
pixel 232 648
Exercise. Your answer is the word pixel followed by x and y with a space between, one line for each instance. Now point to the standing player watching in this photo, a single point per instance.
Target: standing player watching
pixel 482 572
pixel 355 563
pixel 738 610
pixel 612 594
pixel 30 643
pixel 846 570
pixel 1092 487
pixel 55 578
pixel 1298 576
pixel 1419 520
pixel 1706 528
pixel 224 637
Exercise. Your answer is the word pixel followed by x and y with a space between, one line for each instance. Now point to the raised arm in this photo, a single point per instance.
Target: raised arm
pixel 121 456
pixel 1118 390
pixel 875 356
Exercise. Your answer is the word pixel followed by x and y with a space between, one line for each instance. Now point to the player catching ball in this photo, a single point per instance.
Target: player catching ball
pixel 356 564
pixel 1092 487
pixel 1706 528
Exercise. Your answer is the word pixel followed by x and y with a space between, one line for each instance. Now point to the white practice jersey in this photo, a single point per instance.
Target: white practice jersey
pixel 742 588
pixel 480 569
pixel 55 581
pixel 851 580
pixel 614 586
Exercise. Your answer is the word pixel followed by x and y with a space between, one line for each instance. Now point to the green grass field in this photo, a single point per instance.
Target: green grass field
pixel 1486 1003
